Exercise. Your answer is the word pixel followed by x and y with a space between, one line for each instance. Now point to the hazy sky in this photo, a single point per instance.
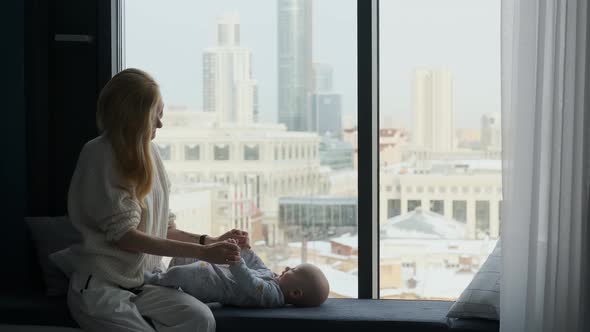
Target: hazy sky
pixel 461 35
pixel 167 38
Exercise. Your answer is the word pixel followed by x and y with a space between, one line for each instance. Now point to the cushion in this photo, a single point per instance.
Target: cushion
pixel 481 299
pixel 340 315
pixel 473 324
pixel 51 234
pixel 64 260
pixel 335 314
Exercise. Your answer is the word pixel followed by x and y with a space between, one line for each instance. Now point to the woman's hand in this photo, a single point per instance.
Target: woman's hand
pixel 223 252
pixel 241 237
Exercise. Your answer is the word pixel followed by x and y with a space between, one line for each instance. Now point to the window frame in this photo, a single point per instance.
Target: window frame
pixel 368 143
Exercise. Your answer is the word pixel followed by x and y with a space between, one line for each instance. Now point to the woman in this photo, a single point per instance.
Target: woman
pixel 118 200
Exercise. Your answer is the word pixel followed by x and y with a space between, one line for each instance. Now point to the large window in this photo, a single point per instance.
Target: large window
pixel 438 206
pixel 264 95
pixel 192 152
pixel 251 152
pixel 460 211
pixel 221 152
pixel 393 208
pixel 413 204
pixel 251 89
pixel 439 126
pixel 482 218
pixel 165 151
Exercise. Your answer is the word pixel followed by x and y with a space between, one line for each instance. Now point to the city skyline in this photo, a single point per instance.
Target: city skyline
pixel 472 54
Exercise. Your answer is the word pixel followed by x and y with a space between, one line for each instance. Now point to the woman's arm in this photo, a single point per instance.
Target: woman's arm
pixel 179 235
pixel 174 233
pixel 219 253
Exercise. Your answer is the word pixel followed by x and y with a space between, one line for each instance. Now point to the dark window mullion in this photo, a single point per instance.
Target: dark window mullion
pixel 368 153
pixel 116 50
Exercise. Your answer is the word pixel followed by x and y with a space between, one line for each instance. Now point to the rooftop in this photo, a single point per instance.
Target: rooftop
pixel 319 200
pixel 422 224
pixel 444 167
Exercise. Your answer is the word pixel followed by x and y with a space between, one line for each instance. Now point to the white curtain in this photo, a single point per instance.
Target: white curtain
pixel 545 181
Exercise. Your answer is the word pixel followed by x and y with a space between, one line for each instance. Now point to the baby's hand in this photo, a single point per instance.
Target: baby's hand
pixel 240 236
pixel 245 243
pixel 233 241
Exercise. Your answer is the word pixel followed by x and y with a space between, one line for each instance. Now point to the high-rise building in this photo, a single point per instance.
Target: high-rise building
pixel 491 131
pixel 295 65
pixel 322 77
pixel 327 107
pixel 433 110
pixel 228 87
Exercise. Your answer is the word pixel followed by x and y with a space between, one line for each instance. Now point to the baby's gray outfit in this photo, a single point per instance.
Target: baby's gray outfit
pixel 247 284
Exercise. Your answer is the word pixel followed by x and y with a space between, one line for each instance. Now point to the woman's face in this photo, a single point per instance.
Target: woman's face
pixel 158 120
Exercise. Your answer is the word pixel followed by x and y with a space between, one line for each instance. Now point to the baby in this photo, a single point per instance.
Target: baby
pixel 247 284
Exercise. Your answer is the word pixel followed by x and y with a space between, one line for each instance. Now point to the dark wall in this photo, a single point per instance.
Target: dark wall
pixel 49 97
pixel 12 133
pixel 69 63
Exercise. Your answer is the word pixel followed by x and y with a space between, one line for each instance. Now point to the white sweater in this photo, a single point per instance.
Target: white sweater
pixel 103 211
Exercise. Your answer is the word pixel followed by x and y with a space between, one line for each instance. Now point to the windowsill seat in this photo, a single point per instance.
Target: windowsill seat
pixel 334 315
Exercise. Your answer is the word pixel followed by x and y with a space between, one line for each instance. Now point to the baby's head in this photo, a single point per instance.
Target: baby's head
pixel 304 285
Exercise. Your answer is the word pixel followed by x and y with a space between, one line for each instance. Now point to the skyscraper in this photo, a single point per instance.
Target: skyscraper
pixel 295 67
pixel 328 109
pixel 433 110
pixel 326 106
pixel 322 77
pixel 491 131
pixel 228 87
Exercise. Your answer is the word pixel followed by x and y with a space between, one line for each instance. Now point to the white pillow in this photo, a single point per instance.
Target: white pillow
pixel 481 299
pixel 65 260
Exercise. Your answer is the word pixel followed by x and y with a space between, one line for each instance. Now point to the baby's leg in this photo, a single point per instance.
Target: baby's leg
pixel 181 261
pixel 175 277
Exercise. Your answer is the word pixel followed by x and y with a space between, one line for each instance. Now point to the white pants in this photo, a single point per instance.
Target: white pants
pixel 98 305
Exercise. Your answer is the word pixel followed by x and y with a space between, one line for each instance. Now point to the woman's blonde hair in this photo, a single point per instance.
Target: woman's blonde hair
pixel 126 111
